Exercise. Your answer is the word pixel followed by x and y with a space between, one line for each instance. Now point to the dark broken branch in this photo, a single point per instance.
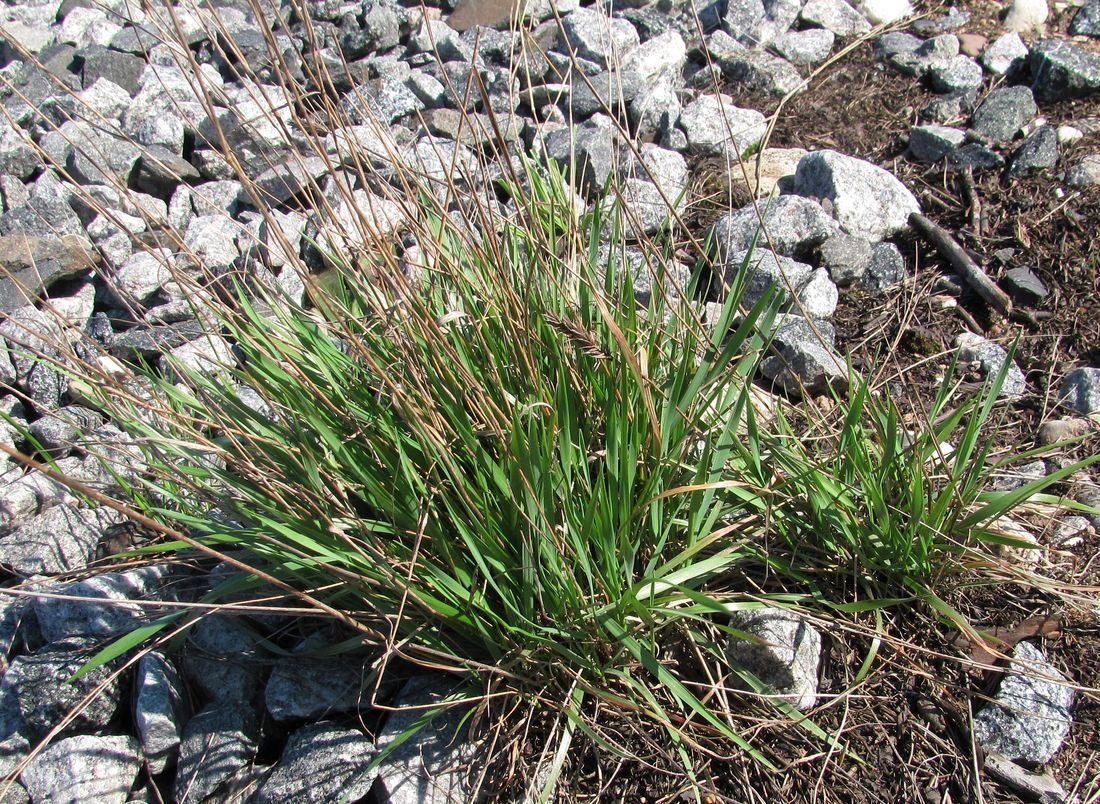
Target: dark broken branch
pixel 951 251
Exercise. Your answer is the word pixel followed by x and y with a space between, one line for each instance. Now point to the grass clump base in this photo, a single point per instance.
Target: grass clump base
pixel 508 462
pixel 499 440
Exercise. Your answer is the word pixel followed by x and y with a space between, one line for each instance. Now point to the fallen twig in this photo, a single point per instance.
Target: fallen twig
pixel 951 251
pixel 973 202
pixel 1038 786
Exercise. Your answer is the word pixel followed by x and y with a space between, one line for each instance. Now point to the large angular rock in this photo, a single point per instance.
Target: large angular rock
pixel 753 22
pixel 783 653
pixel 60 539
pixel 1038 152
pixel 916 62
pixel 1085 173
pixel 755 69
pixel 800 287
pixel 1005 55
pixel 932 143
pixel 587 153
pixel 321 762
pixel 1060 70
pixel 364 219
pixel 960 74
pixel 106 605
pixel 663 55
pixel 836 16
pixel 280 183
pixel 804 48
pixel 84 768
pixel 594 36
pixel 160 709
pixel 715 127
pixel 145 342
pixel 432 765
pixel 1086 22
pixel 37 693
pixel 224 660
pixel 210 356
pixel 792 225
pixel 307 688
pixel 805 361
pixel 886 270
pixel 1080 390
pixel 643 209
pixel 1004 112
pixel 1030 715
pixel 991 358
pixel 29 265
pixel 867 200
pixel 218 746
pixel 846 257
pixel 34 340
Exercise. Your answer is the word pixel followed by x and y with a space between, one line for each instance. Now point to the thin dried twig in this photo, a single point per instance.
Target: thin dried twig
pixel 973 202
pixel 951 251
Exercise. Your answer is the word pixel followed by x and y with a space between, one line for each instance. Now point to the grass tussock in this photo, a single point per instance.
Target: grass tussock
pixel 491 443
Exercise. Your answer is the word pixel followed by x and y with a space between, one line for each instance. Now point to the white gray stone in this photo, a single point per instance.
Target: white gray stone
pixel 886 270
pixel 867 200
pixel 715 127
pixel 1018 476
pixel 846 257
pixel 808 47
pixel 783 651
pixel 1030 715
pixel 594 36
pixel 643 209
pixel 792 225
pixel 1085 173
pixel 210 355
pixel 29 335
pixel 884 12
pixel 160 709
pixel 960 74
pixel 1061 69
pixel 218 746
pixel 37 692
pixel 304 687
pixel 662 55
pixel 143 274
pixel 321 762
pixel 223 659
pixel 105 605
pixel 1080 390
pixel 991 358
pixel 934 52
pixel 1005 54
pixel 932 143
pixel 60 539
pixel 835 15
pixel 587 153
pixel 431 767
pixel 84 768
pixel 800 286
pixel 212 241
pixel 1004 112
pixel 1027 16
pixel 1070 531
pixel 804 359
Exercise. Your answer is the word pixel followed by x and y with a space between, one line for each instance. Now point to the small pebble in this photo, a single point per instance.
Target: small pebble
pixel 971 45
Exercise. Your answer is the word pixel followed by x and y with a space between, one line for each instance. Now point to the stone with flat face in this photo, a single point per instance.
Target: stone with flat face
pixel 1029 717
pixel 867 200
